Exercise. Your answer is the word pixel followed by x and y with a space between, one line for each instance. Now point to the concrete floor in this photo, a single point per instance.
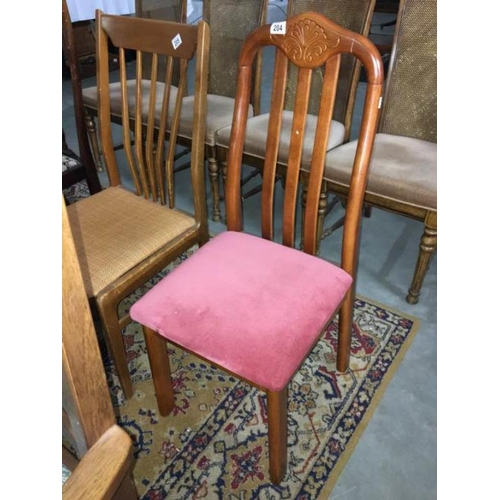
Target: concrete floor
pixel 396 457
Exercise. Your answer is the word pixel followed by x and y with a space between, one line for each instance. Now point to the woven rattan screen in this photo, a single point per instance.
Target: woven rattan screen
pixel 230 22
pixel 354 15
pixel 410 102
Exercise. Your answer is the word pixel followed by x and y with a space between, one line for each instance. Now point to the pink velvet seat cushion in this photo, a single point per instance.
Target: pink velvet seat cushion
pixel 249 305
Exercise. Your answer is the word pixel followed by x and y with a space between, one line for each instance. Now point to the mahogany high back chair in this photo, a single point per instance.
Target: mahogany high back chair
pixel 100 459
pixel 125 237
pixel 403 172
pixel 230 22
pixel 356 16
pixel 250 305
pixel 167 10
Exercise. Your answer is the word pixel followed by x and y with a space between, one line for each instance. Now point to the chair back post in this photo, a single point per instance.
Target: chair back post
pixel 311 41
pixel 199 125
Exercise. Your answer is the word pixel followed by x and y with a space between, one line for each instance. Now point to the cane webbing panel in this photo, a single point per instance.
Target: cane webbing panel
pixel 354 15
pixel 230 22
pixel 113 220
pixel 410 102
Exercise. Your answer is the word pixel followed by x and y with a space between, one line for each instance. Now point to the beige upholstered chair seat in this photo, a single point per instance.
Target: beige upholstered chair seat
pixel 256 134
pixel 112 220
pixel 219 115
pixel 115 96
pixel 402 169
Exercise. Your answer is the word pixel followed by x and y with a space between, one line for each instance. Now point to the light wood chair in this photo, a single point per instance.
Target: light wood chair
pixel 100 459
pixel 167 10
pixel 124 238
pixel 250 305
pixel 403 171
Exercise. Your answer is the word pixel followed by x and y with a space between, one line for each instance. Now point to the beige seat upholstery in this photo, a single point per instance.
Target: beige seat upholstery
pixel 402 169
pixel 255 139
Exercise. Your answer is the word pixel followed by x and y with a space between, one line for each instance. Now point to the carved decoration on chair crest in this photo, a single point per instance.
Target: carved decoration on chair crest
pixel 305 41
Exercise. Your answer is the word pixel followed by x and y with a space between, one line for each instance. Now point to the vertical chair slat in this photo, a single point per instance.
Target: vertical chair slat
pixel 150 130
pixel 295 155
pixel 173 134
pixel 327 103
pixel 163 130
pixel 139 146
pixel 127 143
pixel 272 144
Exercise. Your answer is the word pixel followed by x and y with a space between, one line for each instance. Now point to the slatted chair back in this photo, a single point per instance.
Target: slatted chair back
pixel 311 41
pixel 150 162
pixel 410 97
pixel 355 15
pixel 230 22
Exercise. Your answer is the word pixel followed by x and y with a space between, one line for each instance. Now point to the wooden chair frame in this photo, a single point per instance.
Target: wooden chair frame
pixel 149 172
pixel 327 43
pixel 103 462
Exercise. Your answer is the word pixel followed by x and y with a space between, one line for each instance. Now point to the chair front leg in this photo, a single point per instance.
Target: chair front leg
pixel 213 174
pixel 277 406
pixel 428 245
pixel 156 346
pixel 345 332
pixel 113 333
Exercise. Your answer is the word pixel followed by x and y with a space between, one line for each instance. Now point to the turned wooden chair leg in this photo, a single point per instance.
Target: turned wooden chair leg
pixel 428 245
pixel 323 205
pixel 114 341
pixel 213 174
pixel 94 143
pixel 160 370
pixel 277 405
pixel 345 332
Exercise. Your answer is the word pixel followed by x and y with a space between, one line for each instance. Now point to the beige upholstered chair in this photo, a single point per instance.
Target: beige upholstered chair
pixel 126 237
pixel 403 171
pixel 96 451
pixel 251 305
pixel 168 10
pixel 354 15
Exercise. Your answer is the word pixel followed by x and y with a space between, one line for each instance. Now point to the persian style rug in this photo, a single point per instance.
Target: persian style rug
pixel 214 444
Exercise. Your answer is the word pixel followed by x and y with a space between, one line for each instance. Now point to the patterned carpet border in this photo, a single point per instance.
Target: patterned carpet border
pixel 377 397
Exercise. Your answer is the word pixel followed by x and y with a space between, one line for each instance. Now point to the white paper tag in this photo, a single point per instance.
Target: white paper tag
pixel 380 102
pixel 176 41
pixel 278 28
